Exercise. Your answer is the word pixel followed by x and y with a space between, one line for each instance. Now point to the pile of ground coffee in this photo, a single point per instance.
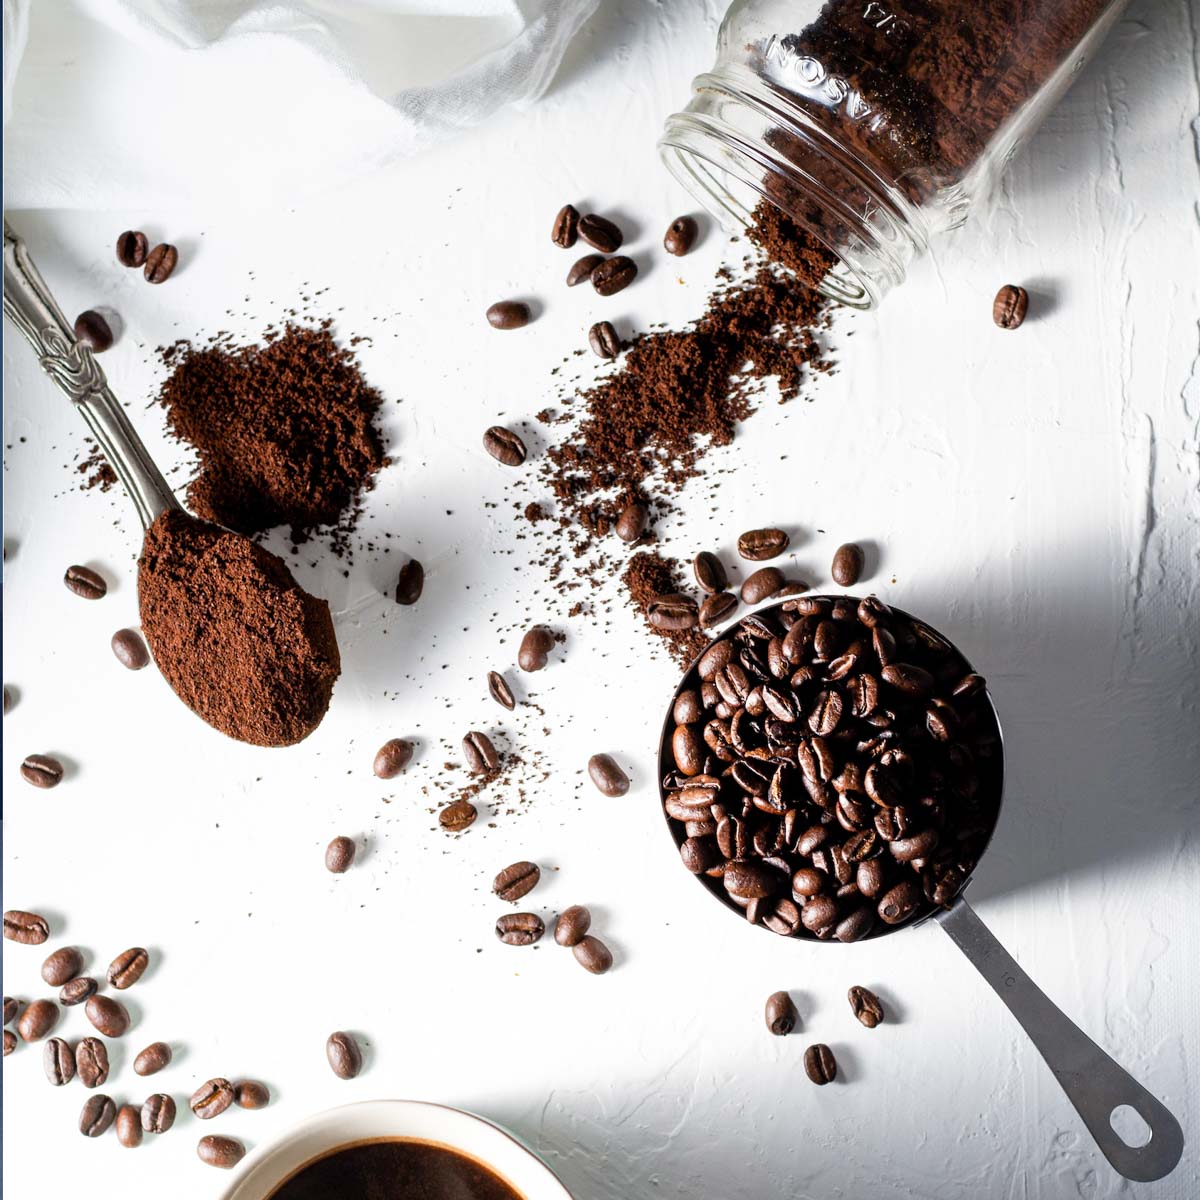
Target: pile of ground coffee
pixel 240 642
pixel 284 432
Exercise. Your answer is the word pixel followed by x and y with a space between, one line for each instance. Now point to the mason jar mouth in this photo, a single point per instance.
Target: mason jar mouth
pixel 736 145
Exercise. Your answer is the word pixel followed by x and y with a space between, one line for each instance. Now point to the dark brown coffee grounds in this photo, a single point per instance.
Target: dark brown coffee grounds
pixel 284 432
pixel 240 642
pixel 94 468
pixel 785 243
pixel 648 576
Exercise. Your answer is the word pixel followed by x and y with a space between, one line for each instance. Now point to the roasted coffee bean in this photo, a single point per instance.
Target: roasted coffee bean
pixel 222 1152
pixel 582 268
pixel 572 924
pixel 688 750
pixel 392 757
pixel 42 771
pixel 211 1098
pixel 783 917
pixel 152 1059
pixel 919 845
pixel 504 446
pixel 64 964
pixel 856 925
pixel 607 775
pixel 614 275
pixel 160 263
pixel 781 1014
pixel 509 314
pixel 77 991
pixel 760 544
pixel 129 1126
pixel 604 340
pixel 819 1064
pixel 764 582
pixel 820 914
pixel 748 878
pixel 1010 306
pixel 565 231
pixel 58 1061
pixel 847 564
pixel 93 331
pixel 672 613
pixel 969 686
pixel 516 881
pixel 158 1113
pixel 85 582
pixel 520 929
pixel 10 1010
pixel 499 690
pixel 698 854
pixel 98 1114
pixel 709 572
pixel 10 1042
pixel 249 1093
pixel 869 876
pixel 680 236
pixel 126 969
pixel 632 522
pixel 410 583
pixel 535 649
pixel 592 955
pixel 457 816
pixel 906 678
pixel 861 845
pixel 480 754
pixel 900 902
pixel 717 608
pixel 865 1005
pixel 872 611
pixel 132 248
pixel 826 712
pixel 339 855
pixel 688 707
pixel 600 233
pixel 37 1019
pixel 91 1061
pixel 107 1015
pixel 807 883
pixel 130 650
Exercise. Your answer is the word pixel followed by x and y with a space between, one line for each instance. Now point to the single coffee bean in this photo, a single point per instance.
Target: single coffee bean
pixel 38 1018
pixel 65 963
pixel 499 690
pixel 1010 306
pixel 158 1113
pixel 582 268
pixel 93 331
pixel 30 929
pixel 410 582
pixel 781 1014
pixel 10 1009
pixel 98 1114
pixel 572 925
pixel 129 1126
pixel 750 879
pixel 131 248
pixel 508 314
pixel 339 855
pixel 222 1152
pixel 480 754
pixel 900 902
pixel 607 775
pixel 820 915
pixel 249 1093
pixel 520 929
pixel 345 1058
pixel 457 816
pixel 672 613
pixel 604 340
pixel 614 275
pixel 865 1005
pixel 709 572
pixel 535 649
pixel 504 446
pixel 760 584
pixel 592 954
pixel 819 1064
pixel 77 991
pixel 909 679
pixel 127 968
pixel 857 924
pixel 160 263
pixel 565 230
pixel 91 1061
pixel 392 757
pixel 717 608
pixel 516 881
pixel 107 1015
pixel 847 564
pixel 632 522
pixel 152 1059
pixel 211 1098
pixel 58 1061
pixel 600 233
pixel 969 686
pixel 130 650
pixel 688 750
pixel 85 582
pixel 42 771
pixel 10 1042
pixel 680 236
pixel 760 544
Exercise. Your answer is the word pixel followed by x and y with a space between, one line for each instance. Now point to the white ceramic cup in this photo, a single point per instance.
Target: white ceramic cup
pixel 265 1169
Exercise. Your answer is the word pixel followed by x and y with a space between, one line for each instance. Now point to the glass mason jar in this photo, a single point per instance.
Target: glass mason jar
pixel 843 134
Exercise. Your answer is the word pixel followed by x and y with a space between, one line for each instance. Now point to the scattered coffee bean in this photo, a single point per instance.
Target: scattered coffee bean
pixel 760 544
pixel 509 314
pixel 410 583
pixel 131 248
pixel 760 584
pixel 900 902
pixel 130 650
pixel 672 613
pixel 865 1005
pixel 592 955
pixel 607 775
pixel 614 275
pixel 717 608
pixel 1010 306
pixel 152 1059
pixel 42 771
pixel 709 572
pixel 582 268
pixel 91 1061
pixel 480 754
pixel 38 1018
pixel 535 649
pixel 77 991
pixel 565 231
pixel 98 1114
pixel 211 1098
pixel 520 929
pixel 847 564
pixel 499 690
pixel 339 855
pixel 600 233
pixel 249 1093
pixel 572 924
pixel 160 263
pixel 127 968
pixel 129 1126
pixel 781 1014
pixel 345 1058
pixel 632 522
pixel 10 1042
pixel 604 340
pixel 680 236
pixel 93 331
pixel 85 582
pixel 392 757
pixel 58 1061
pixel 10 1009
pixel 457 816
pixel 64 964
pixel 504 446
pixel 222 1152
pixel 158 1113
pixel 516 881
pixel 819 1064
pixel 107 1015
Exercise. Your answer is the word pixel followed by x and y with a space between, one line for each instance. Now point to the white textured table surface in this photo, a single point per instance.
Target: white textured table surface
pixel 1032 494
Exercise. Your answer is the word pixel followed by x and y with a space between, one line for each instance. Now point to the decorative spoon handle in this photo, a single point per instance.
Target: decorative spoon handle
pixel 29 305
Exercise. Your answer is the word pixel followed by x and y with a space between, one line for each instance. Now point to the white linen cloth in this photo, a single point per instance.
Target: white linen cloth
pixel 133 103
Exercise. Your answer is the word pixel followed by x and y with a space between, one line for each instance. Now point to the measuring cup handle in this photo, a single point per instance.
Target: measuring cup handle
pixel 1093 1082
